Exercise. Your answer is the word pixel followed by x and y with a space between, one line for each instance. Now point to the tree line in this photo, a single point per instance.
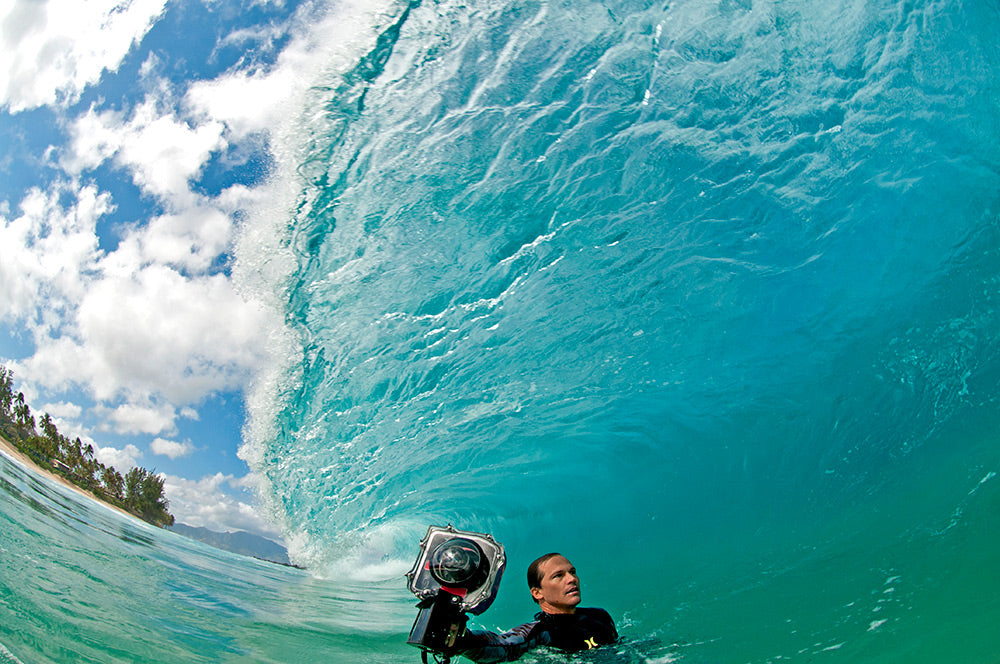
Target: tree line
pixel 138 491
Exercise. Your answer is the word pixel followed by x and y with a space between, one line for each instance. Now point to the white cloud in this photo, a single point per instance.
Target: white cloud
pixel 123 460
pixel 151 336
pixel 130 418
pixel 161 151
pixel 94 138
pixel 186 336
pixel 48 251
pixel 171 448
pixel 62 410
pixel 164 153
pixel 251 481
pixel 53 49
pixel 246 101
pixel 208 503
pixel 190 241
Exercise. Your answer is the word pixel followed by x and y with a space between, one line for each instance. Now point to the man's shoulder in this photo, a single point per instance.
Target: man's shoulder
pixel 582 614
pixel 580 611
pixel 593 611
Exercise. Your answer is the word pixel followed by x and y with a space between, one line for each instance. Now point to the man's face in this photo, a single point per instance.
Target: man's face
pixel 560 589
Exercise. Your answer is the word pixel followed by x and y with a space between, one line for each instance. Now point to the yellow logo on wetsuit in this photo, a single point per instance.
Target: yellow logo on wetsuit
pixel 591 642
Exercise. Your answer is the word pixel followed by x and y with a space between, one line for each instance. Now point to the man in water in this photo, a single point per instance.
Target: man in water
pixel 561 623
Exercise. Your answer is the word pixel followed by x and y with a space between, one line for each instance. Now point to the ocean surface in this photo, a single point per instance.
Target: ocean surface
pixel 703 294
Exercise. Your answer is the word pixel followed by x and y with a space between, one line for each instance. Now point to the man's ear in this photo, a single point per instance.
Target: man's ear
pixel 537 594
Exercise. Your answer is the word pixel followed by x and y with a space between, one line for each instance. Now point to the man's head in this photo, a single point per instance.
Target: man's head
pixel 554 585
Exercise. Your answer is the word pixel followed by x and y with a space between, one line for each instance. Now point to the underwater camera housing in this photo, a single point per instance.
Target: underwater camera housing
pixel 456 572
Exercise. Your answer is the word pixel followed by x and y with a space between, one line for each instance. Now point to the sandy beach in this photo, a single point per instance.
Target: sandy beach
pixel 29 465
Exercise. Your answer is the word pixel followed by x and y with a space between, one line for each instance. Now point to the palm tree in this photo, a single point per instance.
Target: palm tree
pixel 23 416
pixel 6 391
pixel 114 483
pixel 154 504
pixel 133 487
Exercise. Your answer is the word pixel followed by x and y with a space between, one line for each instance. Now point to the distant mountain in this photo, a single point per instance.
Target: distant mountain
pixel 241 542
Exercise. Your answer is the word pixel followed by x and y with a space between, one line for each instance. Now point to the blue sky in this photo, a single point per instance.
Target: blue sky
pixel 141 139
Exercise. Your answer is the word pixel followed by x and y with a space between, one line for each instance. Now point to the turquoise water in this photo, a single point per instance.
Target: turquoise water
pixel 702 294
pixel 82 583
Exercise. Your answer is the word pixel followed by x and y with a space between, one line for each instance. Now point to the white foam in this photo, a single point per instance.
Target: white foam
pixel 374 554
pixel 7 657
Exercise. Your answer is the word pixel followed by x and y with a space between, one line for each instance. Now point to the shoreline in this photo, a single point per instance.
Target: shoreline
pixel 29 465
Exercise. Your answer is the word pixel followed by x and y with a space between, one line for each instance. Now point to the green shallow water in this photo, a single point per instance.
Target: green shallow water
pixel 82 583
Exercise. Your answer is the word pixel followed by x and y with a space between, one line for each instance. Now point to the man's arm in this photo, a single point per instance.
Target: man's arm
pixel 488 647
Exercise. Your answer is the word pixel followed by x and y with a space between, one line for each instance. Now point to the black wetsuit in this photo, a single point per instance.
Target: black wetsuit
pixel 570 632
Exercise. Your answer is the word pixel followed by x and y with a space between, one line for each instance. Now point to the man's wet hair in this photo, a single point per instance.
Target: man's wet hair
pixel 534 574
